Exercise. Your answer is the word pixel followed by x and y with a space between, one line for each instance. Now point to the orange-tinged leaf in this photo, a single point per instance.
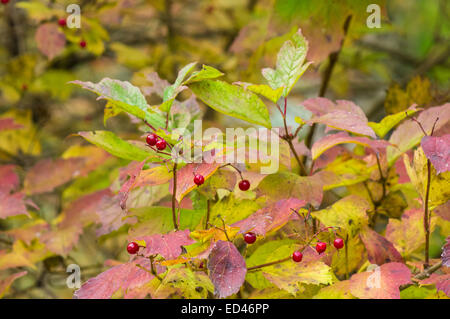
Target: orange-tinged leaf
pixel 7 282
pixel 379 249
pixel 381 283
pixel 169 246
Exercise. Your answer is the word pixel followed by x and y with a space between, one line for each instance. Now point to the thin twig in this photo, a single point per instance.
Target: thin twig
pixel 174 194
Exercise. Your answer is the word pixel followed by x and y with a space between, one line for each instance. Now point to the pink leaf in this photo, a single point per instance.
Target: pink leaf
pixel 125 277
pixel 168 246
pixel 133 172
pixel 443 211
pixel 329 141
pixel 437 150
pixel 446 253
pixel 271 217
pixel 379 249
pixel 9 179
pixel 227 268
pixel 50 41
pixel 442 282
pixel 7 282
pixel 9 124
pixel 381 283
pixel 12 205
pixel 111 216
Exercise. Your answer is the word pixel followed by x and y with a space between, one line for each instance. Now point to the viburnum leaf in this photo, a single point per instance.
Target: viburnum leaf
pixel 390 121
pixel 263 89
pixel 29 231
pixel 185 177
pixel 10 179
pixel 339 290
pixel 437 150
pixel 221 179
pixel 381 283
pixel 133 172
pixel 379 249
pixel 408 134
pixel 328 141
pixel 93 156
pixel 446 253
pixel 443 211
pixel 349 213
pixel 284 185
pixel 23 255
pixel 118 147
pixel 12 204
pixel 47 174
pixel 126 97
pixel 169 246
pixel 289 274
pixel 232 209
pixel 111 216
pixel 227 269
pixel 207 72
pixel 50 40
pixel 442 282
pixel 418 173
pixel 153 176
pixel 407 234
pixel 61 240
pixel 290 64
pixel 9 124
pixel 123 278
pixel 232 100
pixel 171 92
pixel 187 283
pixel 271 217
pixel 5 283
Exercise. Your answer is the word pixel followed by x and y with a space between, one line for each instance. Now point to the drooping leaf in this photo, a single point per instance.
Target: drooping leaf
pixel 381 283
pixel 349 213
pixel 379 249
pixel 271 217
pixel 329 141
pixel 118 147
pixel 232 100
pixel 290 64
pixel 169 246
pixel 50 40
pixel 437 150
pixel 227 269
pixel 390 121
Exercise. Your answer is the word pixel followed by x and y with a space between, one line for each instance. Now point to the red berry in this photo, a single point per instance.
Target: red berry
pixel 62 22
pixel 250 238
pixel 83 43
pixel 24 87
pixel 338 243
pixel 132 248
pixel 5 1
pixel 244 185
pixel 297 256
pixel 152 139
pixel 320 247
pixel 199 179
pixel 161 144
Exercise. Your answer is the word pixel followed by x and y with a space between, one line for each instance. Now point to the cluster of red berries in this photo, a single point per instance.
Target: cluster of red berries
pixel 155 140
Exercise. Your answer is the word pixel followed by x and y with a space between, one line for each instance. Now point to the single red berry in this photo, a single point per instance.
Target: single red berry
pixel 321 247
pixel 5 1
pixel 199 179
pixel 152 139
pixel 297 256
pixel 244 185
pixel 62 22
pixel 338 243
pixel 132 248
pixel 24 87
pixel 83 43
pixel 250 238
pixel 161 144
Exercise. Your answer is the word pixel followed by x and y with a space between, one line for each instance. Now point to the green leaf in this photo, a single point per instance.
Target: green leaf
pixel 207 72
pixel 264 90
pixel 232 100
pixel 290 65
pixel 390 121
pixel 126 97
pixel 114 145
pixel 171 92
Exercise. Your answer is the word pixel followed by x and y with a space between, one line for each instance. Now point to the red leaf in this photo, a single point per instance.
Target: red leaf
pixel 133 171
pixel 442 282
pixel 381 283
pixel 437 150
pixel 185 177
pixel 270 217
pixel 446 253
pixel 168 246
pixel 329 141
pixel 379 249
pixel 227 268
pixel 50 41
pixel 12 205
pixel 48 174
pixel 9 179
pixel 125 277
pixel 9 124
pixel 344 115
pixel 111 216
